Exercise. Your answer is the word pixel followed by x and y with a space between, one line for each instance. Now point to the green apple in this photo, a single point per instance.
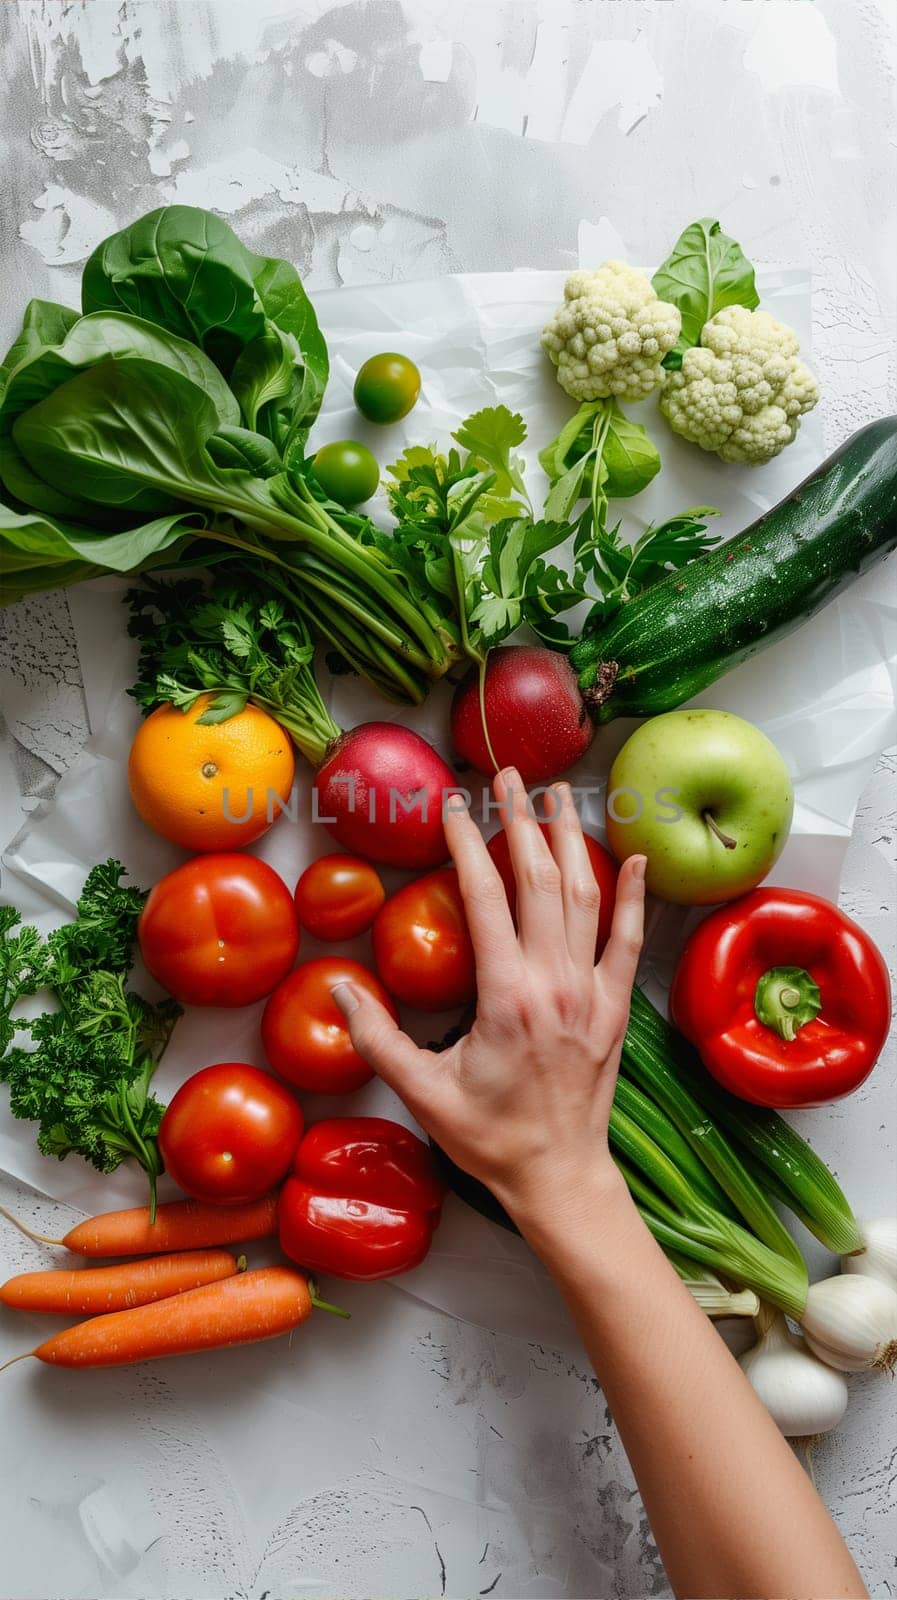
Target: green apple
pixel 707 798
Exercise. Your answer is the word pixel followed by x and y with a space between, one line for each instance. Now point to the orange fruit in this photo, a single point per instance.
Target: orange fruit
pixel 210 786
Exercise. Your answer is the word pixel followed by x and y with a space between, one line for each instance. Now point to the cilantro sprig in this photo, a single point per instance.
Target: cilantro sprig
pixel 85 1075
pixel 467 515
pixel 600 455
pixel 622 571
pixel 236 642
pixel 465 518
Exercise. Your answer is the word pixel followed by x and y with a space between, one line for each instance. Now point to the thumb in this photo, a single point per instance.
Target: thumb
pixel 380 1041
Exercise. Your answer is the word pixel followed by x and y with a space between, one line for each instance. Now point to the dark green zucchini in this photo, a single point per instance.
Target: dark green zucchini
pixel 677 637
pixel 470 1189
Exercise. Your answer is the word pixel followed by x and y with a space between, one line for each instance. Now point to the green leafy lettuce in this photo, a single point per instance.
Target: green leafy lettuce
pixel 121 428
pixel 185 270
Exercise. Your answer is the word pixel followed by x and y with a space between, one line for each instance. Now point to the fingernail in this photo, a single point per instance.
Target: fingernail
pixel 345 998
pixel 639 866
pixel 511 777
pixel 458 800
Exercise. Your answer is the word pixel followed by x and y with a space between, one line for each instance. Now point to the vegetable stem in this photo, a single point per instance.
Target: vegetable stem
pixel 725 839
pixel 646 1062
pixel 645 1112
pixel 692 1227
pixel 326 1305
pixel 369 565
pixel 784 1164
pixel 481 691
pixel 786 999
pixel 711 1294
pixel 25 1356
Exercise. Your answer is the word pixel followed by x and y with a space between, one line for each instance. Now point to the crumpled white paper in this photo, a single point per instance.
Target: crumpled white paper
pixel 826 696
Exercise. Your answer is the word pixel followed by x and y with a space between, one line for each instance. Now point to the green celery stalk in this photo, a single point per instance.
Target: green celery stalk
pixel 654 1122
pixel 783 1163
pixel 377 653
pixel 698 1232
pixel 712 1295
pixel 646 1060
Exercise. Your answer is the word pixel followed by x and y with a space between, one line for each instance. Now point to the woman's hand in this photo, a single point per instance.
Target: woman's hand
pixel 522 1101
pixel 523 1104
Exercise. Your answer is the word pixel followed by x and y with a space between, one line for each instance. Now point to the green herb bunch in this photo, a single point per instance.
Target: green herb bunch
pixel 166 425
pixel 86 1077
pixel 237 643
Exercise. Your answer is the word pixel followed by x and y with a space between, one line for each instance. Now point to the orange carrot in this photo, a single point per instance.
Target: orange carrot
pixel 256 1305
pixel 87 1290
pixel 179 1225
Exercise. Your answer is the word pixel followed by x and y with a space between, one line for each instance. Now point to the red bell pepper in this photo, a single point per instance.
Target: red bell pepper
pixel 363 1201
pixel 787 1001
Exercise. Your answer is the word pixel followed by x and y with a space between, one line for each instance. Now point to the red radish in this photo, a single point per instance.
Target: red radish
pixel 380 792
pixel 535 716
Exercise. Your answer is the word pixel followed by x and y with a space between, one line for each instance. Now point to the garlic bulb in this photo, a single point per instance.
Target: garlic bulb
pixel 851 1322
pixel 802 1396
pixel 879 1257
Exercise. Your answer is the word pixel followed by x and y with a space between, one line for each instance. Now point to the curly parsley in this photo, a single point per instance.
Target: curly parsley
pixel 84 1077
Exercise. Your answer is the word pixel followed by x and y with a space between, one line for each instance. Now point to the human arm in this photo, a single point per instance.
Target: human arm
pixel 522 1102
pixel 732 1511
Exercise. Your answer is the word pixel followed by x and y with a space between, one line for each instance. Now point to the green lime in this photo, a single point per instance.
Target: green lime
pixel 387 387
pixel 347 471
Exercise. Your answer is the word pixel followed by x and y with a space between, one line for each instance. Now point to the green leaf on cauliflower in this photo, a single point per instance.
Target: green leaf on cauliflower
pixel 600 454
pixel 705 271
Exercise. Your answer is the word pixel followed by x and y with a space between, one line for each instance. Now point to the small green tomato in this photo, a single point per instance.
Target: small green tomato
pixel 386 388
pixel 346 471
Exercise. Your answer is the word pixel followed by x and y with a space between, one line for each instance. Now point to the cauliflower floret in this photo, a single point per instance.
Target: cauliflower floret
pixel 611 334
pixel 743 390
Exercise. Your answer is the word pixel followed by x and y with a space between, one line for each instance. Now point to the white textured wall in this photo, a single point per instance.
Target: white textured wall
pixel 380 141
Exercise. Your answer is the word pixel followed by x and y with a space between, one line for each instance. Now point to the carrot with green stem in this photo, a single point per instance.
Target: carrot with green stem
pixel 88 1291
pixel 242 1310
pixel 179 1225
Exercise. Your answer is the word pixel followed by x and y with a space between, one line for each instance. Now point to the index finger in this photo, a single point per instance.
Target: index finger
pixel 489 919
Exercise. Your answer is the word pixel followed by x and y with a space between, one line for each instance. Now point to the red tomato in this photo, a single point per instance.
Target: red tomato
pixel 603 866
pixel 338 897
pixel 219 931
pixel 422 947
pixel 304 1032
pixel 230 1133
